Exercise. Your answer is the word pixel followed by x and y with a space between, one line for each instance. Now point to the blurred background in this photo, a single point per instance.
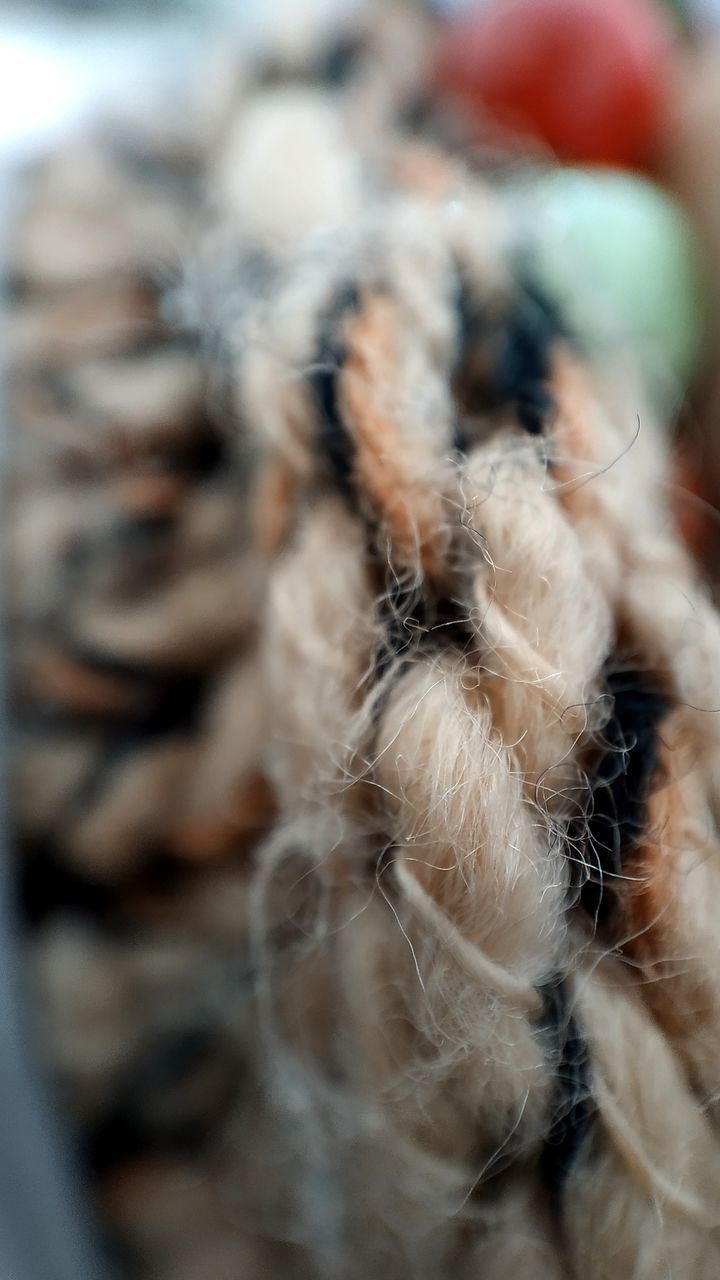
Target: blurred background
pixel 600 121
pixel 62 60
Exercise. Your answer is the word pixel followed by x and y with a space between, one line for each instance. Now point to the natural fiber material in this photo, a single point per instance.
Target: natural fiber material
pixel 367 716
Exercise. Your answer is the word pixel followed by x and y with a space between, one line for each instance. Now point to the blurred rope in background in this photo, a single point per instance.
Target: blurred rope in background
pixel 59 62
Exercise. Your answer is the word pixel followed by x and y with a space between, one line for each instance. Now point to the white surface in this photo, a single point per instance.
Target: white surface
pixel 55 69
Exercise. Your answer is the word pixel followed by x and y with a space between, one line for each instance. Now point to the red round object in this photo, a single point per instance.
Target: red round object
pixel 590 77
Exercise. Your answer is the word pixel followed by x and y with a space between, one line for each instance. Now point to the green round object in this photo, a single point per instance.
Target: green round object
pixel 619 257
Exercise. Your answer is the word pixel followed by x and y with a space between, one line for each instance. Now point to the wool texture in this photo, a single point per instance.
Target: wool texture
pixel 366 709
